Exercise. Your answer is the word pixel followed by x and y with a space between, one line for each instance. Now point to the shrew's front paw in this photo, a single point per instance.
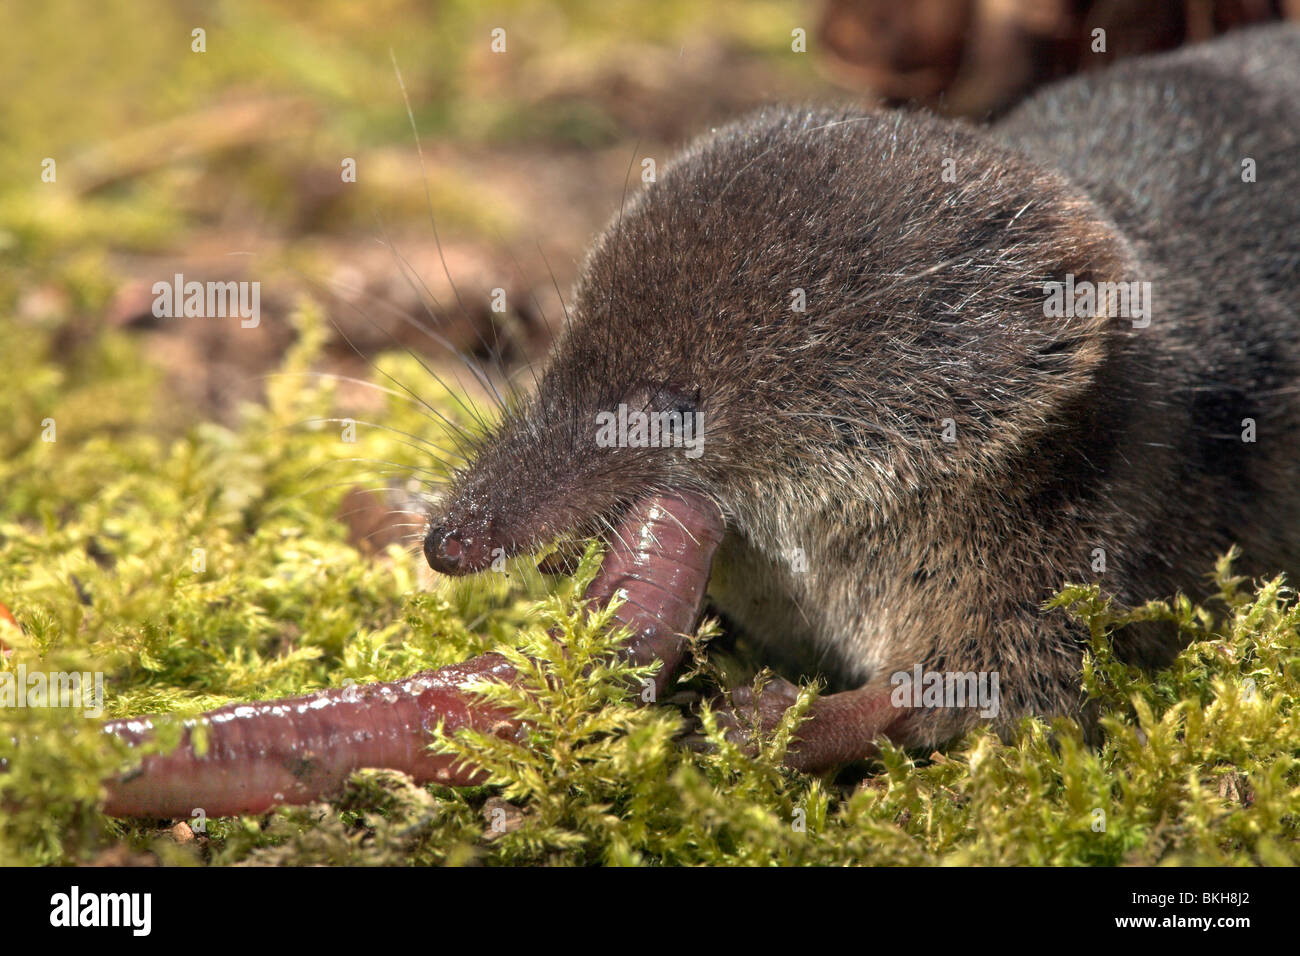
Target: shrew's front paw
pixel 741 713
pixel 763 710
pixel 838 729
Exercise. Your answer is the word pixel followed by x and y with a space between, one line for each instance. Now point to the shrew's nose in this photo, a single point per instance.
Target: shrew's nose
pixel 444 551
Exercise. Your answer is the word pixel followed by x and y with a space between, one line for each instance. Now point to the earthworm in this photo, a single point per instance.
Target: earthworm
pixel 296 750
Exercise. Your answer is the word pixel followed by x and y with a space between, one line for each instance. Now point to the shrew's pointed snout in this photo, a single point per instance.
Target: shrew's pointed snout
pixel 443 550
pixel 449 553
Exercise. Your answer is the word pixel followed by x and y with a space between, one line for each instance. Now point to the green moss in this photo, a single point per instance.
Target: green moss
pixel 99 535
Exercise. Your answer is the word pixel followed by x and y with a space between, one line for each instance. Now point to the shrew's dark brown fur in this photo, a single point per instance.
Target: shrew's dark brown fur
pixel 860 543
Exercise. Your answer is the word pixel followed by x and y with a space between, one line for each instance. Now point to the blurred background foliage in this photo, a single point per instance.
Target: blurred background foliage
pixel 226 163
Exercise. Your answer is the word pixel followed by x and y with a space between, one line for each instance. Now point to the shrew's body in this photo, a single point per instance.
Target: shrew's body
pixel 912 461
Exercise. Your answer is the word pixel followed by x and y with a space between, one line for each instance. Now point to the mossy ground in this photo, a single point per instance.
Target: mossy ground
pixel 98 531
pixel 101 529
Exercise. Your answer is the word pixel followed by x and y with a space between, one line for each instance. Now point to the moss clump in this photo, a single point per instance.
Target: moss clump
pixel 211 566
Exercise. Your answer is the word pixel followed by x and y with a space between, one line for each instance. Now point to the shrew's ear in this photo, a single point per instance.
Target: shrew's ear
pixel 1031 292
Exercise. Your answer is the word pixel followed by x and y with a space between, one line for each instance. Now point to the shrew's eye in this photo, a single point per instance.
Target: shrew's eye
pixel 654 416
pixel 677 407
pixel 666 398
